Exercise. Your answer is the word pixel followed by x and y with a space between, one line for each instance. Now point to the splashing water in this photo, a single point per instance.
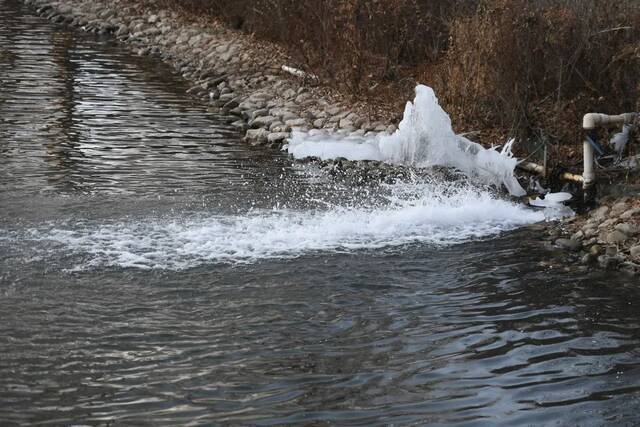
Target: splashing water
pixel 433 213
pixel 424 138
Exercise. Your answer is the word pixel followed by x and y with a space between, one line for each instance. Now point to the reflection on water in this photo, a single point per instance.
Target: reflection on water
pixel 93 138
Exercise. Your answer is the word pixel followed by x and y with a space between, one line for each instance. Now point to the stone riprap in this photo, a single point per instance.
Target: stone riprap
pixel 607 237
pixel 229 70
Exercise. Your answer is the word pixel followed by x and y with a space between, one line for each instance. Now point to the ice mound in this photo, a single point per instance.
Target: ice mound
pixel 424 138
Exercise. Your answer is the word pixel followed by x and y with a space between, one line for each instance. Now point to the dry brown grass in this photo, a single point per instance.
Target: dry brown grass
pixel 527 68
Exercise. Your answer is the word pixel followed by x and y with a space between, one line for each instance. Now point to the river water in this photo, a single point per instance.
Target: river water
pixel 156 270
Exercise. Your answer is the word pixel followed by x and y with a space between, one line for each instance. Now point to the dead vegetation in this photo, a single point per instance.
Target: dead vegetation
pixel 525 68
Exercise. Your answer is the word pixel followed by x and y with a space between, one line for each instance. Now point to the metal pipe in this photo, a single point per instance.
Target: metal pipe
pixel 540 170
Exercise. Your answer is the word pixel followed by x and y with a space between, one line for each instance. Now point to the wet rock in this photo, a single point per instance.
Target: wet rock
pixel 569 244
pixel 256 136
pixel 607 262
pixel 635 251
pixel 596 250
pixel 230 103
pixel 588 259
pixel 578 236
pixel 239 124
pixel 263 122
pixel 277 137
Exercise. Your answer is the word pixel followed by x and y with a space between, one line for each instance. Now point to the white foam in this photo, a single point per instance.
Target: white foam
pixel 420 213
pixel 424 138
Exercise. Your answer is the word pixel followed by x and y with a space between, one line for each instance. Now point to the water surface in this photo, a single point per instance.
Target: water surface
pixel 155 270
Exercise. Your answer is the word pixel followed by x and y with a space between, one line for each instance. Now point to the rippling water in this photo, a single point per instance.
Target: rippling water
pixel 155 270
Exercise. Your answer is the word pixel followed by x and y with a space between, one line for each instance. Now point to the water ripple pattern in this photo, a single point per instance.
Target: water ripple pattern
pixel 345 304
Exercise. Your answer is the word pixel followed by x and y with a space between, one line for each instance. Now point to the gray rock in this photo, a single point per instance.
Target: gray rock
pixel 608 223
pixel 391 128
pixel 588 259
pixel 263 121
pixel 239 124
pixel 276 126
pixel 579 236
pixel 334 111
pixel 569 244
pixel 231 103
pixel 289 94
pixel 630 213
pixel 294 123
pixel 635 251
pixel 346 124
pixel 618 209
pixel 607 262
pixel 256 136
pixel 303 97
pixel 277 137
pixel 616 237
pixel 590 232
pixel 627 228
pixel 263 112
pixel 318 123
pixel 600 214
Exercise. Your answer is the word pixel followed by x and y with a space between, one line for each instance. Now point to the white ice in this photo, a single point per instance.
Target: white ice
pixel 424 138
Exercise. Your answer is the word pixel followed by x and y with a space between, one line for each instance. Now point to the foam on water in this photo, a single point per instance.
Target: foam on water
pixel 424 138
pixel 436 214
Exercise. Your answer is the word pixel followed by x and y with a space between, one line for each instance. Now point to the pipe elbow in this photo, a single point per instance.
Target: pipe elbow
pixel 591 121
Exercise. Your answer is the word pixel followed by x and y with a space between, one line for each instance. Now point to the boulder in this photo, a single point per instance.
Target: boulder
pixel 627 228
pixel 618 209
pixel 256 136
pixel 616 237
pixel 630 213
pixel 569 244
pixel 277 137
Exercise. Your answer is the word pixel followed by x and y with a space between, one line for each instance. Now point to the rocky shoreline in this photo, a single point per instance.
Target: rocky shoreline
pixel 245 79
pixel 605 238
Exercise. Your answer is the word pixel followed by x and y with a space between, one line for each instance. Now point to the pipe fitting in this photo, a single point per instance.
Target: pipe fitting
pixel 592 121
